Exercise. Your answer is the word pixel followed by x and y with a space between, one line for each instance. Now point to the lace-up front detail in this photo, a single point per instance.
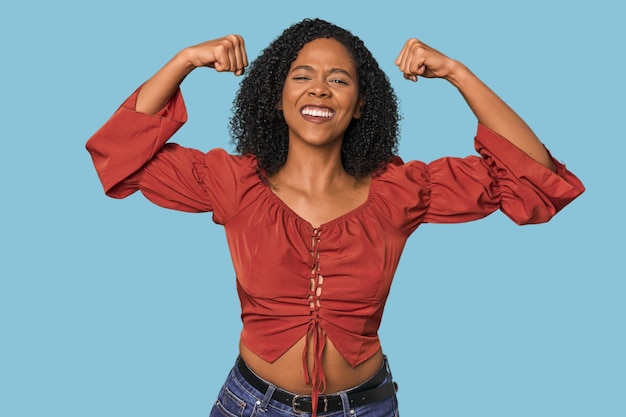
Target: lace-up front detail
pixel 315 334
pixel 316 279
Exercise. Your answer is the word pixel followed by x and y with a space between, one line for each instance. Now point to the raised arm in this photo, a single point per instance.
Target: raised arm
pixel 223 54
pixel 130 151
pixel 417 59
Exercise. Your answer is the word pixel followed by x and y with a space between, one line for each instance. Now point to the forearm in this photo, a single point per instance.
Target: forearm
pixel 492 112
pixel 156 92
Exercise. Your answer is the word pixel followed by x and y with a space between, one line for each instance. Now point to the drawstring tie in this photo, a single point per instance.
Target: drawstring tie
pixel 318 379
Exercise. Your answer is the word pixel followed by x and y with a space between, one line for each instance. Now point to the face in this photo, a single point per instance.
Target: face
pixel 321 94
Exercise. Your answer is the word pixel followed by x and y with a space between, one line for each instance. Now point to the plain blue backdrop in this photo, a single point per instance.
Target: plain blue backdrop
pixel 121 308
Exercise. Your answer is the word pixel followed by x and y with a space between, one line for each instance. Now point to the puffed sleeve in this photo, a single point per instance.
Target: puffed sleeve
pixel 454 190
pixel 504 178
pixel 130 153
pixel 188 180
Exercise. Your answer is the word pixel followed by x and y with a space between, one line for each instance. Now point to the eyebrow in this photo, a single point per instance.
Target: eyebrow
pixel 332 70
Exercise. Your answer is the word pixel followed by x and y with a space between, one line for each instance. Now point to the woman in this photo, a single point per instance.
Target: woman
pixel 316 205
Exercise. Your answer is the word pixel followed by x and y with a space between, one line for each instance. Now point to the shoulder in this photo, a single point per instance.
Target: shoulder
pixel 220 169
pixel 401 193
pixel 231 182
pixel 220 158
pixel 399 173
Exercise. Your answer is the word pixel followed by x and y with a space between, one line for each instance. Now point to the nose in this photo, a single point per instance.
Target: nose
pixel 319 89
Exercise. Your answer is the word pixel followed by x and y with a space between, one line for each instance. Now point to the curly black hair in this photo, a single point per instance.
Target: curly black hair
pixel 258 128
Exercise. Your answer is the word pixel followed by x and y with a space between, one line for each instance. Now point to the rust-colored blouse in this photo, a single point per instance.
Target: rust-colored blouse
pixel 329 281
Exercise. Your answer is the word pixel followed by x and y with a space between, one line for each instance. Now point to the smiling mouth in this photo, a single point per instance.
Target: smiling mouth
pixel 317 112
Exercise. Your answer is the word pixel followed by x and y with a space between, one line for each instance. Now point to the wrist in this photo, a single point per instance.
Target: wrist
pixel 459 74
pixel 184 61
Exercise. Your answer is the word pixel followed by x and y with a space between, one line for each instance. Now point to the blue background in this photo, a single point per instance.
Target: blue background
pixel 121 308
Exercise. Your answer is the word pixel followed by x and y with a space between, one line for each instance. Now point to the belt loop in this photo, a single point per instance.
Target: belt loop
pixel 386 360
pixel 345 402
pixel 395 384
pixel 268 396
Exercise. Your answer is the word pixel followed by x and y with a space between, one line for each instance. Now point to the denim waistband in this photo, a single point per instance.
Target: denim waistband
pixel 378 387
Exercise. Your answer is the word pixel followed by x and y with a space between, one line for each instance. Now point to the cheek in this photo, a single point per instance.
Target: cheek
pixel 289 116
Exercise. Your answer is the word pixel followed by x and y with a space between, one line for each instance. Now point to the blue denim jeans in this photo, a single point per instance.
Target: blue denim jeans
pixel 238 398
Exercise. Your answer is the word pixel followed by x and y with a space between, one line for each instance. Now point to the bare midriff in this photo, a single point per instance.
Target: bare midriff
pixel 287 371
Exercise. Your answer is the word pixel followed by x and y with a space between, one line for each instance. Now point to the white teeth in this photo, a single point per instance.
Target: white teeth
pixel 308 111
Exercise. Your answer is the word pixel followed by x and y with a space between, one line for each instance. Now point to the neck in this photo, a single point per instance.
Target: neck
pixel 312 170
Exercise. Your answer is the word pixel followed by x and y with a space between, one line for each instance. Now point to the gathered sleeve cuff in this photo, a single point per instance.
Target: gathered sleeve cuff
pixel 528 191
pixel 129 139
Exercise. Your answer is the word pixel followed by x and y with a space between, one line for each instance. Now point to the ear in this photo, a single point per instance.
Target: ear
pixel 279 105
pixel 359 106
